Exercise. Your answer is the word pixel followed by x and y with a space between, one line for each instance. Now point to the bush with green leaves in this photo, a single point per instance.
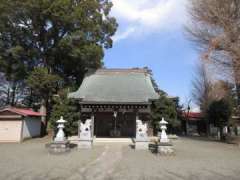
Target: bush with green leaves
pixel 70 111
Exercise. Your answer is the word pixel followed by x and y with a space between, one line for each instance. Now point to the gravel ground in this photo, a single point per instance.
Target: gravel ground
pixel 195 159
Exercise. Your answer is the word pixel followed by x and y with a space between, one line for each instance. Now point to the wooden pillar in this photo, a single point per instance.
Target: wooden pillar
pixel 137 114
pixel 137 117
pixel 79 125
pixel 92 118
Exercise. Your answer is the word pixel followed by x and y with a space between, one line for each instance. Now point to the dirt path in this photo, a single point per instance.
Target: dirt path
pixel 102 167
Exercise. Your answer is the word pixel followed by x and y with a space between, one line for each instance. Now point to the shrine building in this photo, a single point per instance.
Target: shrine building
pixel 114 99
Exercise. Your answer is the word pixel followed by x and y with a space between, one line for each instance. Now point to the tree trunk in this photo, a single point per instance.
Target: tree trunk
pixel 207 127
pixel 237 82
pixel 238 93
pixel 8 96
pixel 187 127
pixel 30 98
pixel 13 95
pixel 43 111
pixel 221 133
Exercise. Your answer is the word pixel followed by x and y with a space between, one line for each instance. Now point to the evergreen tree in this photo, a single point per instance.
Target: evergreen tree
pixel 219 113
pixel 165 108
pixel 43 83
pixel 67 37
pixel 58 34
pixel 69 110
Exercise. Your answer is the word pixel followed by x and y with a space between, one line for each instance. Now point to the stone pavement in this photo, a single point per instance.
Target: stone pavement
pixel 103 166
pixel 195 159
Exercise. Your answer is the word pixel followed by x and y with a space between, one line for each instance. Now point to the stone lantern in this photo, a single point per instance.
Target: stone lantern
pixel 163 127
pixel 165 147
pixel 60 137
pixel 60 143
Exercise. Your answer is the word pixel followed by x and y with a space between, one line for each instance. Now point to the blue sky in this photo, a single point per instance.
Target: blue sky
pixel 151 33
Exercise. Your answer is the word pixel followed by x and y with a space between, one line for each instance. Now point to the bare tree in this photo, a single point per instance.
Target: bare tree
pixel 12 94
pixel 215 28
pixel 221 89
pixel 202 88
pixel 207 90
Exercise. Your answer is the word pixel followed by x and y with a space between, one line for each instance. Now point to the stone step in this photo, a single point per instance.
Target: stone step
pixel 113 140
pixel 74 139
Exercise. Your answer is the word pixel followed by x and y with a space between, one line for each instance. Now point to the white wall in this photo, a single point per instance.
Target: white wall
pixel 10 130
pixel 31 127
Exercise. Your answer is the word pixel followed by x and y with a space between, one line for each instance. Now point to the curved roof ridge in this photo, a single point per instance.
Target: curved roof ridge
pixel 117 85
pixel 121 70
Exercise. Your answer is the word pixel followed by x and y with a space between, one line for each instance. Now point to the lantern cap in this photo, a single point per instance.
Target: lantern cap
pixel 163 121
pixel 61 120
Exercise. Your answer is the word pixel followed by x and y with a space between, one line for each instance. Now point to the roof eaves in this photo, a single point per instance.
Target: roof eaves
pixel 113 103
pixel 22 112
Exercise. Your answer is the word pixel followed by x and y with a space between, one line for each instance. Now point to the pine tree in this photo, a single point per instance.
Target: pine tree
pixel 165 108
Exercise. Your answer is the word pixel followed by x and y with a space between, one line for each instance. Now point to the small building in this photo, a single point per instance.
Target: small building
pixel 114 99
pixel 18 124
pixel 194 123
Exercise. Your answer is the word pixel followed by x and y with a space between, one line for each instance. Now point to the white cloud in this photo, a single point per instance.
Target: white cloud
pixel 147 16
pixel 124 34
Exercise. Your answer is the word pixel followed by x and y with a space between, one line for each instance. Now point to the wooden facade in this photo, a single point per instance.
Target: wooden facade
pixel 123 124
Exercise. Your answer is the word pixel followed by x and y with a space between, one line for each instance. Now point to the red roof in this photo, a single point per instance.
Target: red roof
pixel 23 112
pixel 192 115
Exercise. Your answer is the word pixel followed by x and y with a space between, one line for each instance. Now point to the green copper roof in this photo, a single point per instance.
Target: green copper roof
pixel 116 86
